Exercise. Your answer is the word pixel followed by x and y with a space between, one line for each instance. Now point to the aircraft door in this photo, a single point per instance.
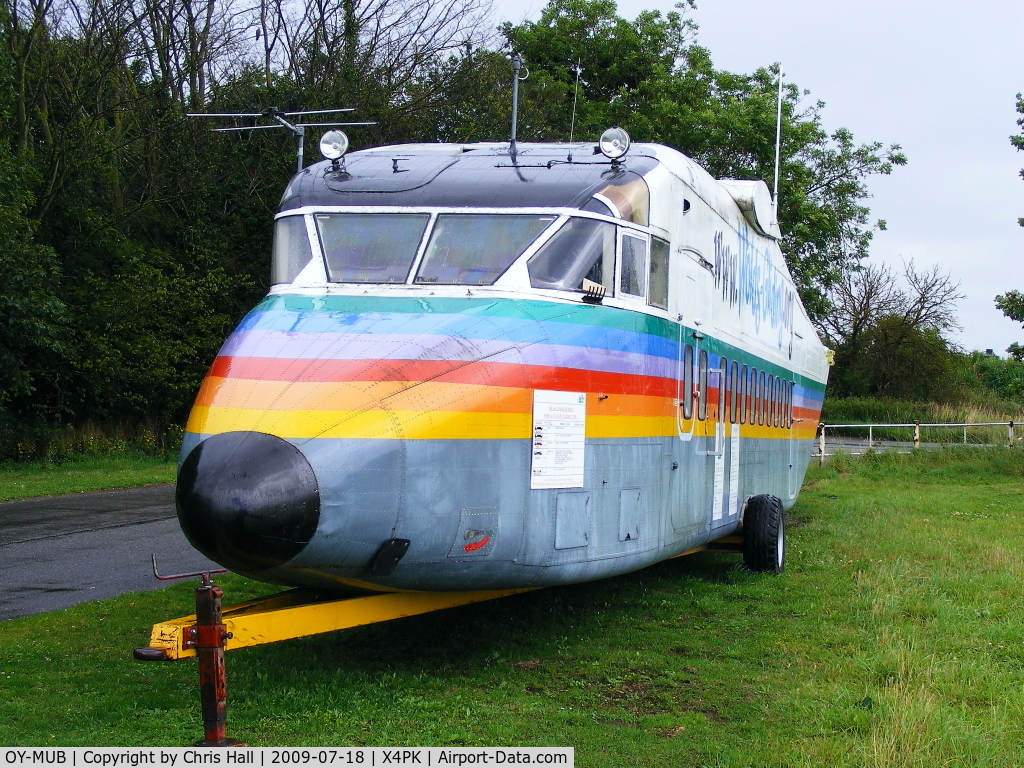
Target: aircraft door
pixel 724 480
pixel 794 445
pixel 715 430
pixel 697 387
pixel 687 485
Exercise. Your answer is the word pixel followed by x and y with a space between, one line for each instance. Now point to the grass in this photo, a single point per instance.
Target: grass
pixel 20 480
pixel 894 638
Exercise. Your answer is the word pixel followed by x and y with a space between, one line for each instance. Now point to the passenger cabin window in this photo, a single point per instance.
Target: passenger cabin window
pixel 370 247
pixel 777 402
pixel 724 389
pixel 759 398
pixel 292 251
pixel 582 248
pixel 780 401
pixel 735 390
pixel 773 385
pixel 687 398
pixel 702 373
pixel 658 284
pixel 742 394
pixel 476 249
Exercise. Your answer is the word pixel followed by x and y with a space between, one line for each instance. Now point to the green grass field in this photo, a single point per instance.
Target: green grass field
pixel 84 473
pixel 894 638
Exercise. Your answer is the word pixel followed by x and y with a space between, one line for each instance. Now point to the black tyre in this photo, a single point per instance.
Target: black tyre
pixel 764 535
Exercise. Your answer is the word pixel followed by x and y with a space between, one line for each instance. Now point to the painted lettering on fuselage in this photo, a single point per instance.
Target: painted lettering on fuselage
pixel 746 278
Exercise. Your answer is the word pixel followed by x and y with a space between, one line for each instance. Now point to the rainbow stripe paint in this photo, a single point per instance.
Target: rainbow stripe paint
pixel 301 367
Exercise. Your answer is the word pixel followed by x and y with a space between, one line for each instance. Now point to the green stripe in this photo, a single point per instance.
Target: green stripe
pixel 518 309
pixel 527 309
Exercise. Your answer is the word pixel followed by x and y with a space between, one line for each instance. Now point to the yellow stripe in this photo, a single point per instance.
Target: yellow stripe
pixel 441 425
pixel 384 425
pixel 630 426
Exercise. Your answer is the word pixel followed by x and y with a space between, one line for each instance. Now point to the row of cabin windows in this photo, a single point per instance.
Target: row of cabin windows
pixel 746 396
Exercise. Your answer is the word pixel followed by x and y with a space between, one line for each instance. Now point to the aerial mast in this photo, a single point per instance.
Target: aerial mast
pixel 517 65
pixel 297 129
pixel 778 145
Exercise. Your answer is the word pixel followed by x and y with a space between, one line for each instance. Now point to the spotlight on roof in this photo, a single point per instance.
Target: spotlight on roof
pixel 614 143
pixel 333 145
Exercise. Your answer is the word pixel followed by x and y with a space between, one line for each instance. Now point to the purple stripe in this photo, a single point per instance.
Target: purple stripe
pixel 342 346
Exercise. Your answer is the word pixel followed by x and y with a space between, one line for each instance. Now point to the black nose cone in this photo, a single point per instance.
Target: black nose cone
pixel 247 500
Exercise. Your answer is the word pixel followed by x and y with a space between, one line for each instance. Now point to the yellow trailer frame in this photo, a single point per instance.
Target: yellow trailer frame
pixel 212 630
pixel 303 612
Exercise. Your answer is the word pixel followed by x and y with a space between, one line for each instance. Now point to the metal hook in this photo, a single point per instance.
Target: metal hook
pixel 204 574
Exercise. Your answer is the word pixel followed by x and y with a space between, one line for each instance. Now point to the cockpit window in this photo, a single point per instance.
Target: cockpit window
pixel 582 248
pixel 370 247
pixel 291 249
pixel 633 279
pixel 595 205
pixel 476 248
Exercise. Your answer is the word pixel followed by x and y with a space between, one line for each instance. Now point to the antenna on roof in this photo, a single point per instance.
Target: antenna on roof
pixel 778 145
pixel 575 94
pixel 297 129
pixel 517 64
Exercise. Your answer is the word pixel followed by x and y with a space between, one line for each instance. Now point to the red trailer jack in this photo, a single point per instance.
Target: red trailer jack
pixel 207 637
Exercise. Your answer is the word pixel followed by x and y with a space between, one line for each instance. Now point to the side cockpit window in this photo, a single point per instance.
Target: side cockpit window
pixel 581 249
pixel 627 262
pixel 658 285
pixel 475 249
pixel 633 277
pixel 291 251
pixel 370 247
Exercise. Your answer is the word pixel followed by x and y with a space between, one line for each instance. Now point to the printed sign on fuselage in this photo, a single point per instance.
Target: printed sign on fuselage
pixel 559 432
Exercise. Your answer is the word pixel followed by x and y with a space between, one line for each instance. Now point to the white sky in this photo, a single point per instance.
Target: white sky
pixel 938 78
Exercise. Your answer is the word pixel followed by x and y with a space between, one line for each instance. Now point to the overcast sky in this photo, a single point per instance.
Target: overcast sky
pixel 938 78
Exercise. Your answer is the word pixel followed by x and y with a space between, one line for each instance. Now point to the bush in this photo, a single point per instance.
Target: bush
pixel 39 441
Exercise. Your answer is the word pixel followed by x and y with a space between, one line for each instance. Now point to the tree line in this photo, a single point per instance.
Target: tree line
pixel 133 239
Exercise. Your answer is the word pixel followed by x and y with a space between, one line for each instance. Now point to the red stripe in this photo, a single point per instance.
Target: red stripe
pixel 489 374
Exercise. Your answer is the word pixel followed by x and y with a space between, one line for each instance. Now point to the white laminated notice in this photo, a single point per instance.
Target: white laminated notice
pixel 559 439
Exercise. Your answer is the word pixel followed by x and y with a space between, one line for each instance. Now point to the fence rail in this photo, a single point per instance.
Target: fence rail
pixel 870 443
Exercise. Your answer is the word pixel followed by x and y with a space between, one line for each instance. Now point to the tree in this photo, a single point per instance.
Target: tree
pixel 649 77
pixel 889 340
pixel 32 316
pixel 132 238
pixel 1011 304
pixel 1018 141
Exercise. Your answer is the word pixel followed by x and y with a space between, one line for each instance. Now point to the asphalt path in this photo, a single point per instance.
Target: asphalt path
pixel 59 551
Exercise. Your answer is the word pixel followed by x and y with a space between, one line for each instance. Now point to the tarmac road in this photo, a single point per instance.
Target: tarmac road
pixel 59 551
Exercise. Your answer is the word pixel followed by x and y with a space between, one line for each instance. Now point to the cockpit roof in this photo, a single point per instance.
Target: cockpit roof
pixel 466 175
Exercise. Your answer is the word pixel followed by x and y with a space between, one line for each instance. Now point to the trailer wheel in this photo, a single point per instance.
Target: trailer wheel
pixel 764 535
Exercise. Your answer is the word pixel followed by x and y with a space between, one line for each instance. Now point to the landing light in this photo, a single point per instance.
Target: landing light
pixel 614 143
pixel 333 144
